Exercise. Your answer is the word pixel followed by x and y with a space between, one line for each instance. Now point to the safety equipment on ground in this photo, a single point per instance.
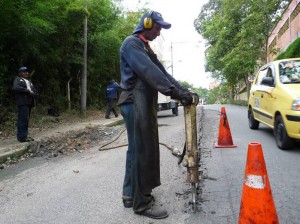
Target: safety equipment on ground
pixel 224 138
pixel 257 205
pixel 148 22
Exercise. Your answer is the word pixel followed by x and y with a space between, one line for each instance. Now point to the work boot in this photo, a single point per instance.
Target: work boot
pixel 154 212
pixel 151 197
pixel 25 140
pixel 128 202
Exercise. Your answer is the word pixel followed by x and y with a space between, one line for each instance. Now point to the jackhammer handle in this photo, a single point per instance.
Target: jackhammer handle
pixel 195 98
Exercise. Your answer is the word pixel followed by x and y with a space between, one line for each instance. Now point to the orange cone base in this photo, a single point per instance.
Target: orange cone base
pixel 224 137
pixel 257 205
pixel 225 146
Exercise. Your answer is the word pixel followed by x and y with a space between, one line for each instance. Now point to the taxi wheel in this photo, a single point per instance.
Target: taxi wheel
pixel 253 124
pixel 283 141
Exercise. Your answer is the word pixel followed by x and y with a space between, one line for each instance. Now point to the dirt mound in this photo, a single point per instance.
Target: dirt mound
pixel 67 143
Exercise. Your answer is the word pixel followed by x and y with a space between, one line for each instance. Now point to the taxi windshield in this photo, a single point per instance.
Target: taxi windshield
pixel 289 71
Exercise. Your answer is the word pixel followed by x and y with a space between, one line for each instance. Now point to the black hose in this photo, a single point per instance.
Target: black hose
pixel 183 154
pixel 103 148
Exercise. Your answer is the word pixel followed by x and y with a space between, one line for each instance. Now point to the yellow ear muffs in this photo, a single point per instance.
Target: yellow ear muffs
pixel 148 21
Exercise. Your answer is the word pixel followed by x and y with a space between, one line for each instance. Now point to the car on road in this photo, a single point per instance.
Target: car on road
pixel 275 100
pixel 166 103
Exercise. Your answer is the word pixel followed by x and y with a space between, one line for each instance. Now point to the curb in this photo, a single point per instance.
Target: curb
pixel 14 152
pixel 21 149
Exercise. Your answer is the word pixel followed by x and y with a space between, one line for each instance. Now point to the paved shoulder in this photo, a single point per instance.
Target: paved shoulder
pixel 11 147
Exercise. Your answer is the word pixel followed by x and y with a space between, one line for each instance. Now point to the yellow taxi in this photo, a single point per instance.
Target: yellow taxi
pixel 275 100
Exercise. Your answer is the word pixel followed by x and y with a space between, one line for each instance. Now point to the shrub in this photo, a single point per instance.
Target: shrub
pixel 293 51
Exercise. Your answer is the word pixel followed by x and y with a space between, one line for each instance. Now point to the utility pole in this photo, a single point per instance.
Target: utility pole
pixel 84 72
pixel 172 65
pixel 172 62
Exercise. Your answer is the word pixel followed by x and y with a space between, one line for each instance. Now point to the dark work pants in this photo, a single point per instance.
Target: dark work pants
pixel 131 185
pixel 23 120
pixel 128 115
pixel 111 108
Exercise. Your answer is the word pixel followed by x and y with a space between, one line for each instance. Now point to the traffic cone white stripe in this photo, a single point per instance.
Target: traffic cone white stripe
pixel 255 181
pixel 257 205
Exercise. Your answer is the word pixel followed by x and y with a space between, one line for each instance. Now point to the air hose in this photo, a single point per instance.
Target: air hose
pixel 174 151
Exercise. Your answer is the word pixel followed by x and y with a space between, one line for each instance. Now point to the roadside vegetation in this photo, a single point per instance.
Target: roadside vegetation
pixel 236 34
pixel 292 51
pixel 48 38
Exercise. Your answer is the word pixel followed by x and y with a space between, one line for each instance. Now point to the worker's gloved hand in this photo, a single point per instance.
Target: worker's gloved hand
pixel 184 96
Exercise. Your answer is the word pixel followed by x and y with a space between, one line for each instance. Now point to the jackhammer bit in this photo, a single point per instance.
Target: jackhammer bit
pixel 191 150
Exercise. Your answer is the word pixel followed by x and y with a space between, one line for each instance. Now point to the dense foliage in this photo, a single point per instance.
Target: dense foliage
pixel 47 37
pixel 236 33
pixel 293 51
pixel 202 92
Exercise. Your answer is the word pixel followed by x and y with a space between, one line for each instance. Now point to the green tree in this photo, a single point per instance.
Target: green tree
pixel 292 51
pixel 186 84
pixel 47 37
pixel 236 34
pixel 202 92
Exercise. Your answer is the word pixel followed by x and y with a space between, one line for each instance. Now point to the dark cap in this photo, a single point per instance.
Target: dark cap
pixel 156 16
pixel 22 69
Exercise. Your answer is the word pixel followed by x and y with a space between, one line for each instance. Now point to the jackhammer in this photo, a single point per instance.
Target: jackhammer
pixel 190 151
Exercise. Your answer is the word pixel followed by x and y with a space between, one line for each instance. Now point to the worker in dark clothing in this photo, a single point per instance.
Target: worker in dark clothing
pixel 111 93
pixel 25 94
pixel 142 76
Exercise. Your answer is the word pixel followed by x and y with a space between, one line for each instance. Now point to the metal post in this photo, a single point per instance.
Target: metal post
pixel 84 72
pixel 172 65
pixel 191 155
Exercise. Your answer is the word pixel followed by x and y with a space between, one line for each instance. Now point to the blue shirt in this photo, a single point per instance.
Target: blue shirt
pixel 111 91
pixel 136 64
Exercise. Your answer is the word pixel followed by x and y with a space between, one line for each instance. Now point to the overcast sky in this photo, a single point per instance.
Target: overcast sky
pixel 188 46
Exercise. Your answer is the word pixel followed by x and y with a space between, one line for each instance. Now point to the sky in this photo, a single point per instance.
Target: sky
pixel 188 46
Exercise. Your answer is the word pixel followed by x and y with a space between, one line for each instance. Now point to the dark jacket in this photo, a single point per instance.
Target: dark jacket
pixel 22 94
pixel 112 89
pixel 142 76
pixel 136 63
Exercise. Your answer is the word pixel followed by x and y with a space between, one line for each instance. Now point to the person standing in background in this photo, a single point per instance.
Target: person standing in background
pixel 25 94
pixel 111 93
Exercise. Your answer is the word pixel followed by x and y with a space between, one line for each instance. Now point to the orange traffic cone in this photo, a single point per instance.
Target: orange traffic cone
pixel 257 205
pixel 224 139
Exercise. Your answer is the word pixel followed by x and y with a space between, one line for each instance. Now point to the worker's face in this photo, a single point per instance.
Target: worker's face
pixel 24 74
pixel 153 32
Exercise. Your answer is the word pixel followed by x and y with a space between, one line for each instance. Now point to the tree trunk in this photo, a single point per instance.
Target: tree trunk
pixel 69 94
pixel 84 72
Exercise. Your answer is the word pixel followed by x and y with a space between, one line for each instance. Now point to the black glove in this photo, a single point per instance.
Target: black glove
pixel 184 96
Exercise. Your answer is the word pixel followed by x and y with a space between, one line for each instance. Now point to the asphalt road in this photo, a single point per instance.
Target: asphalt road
pixel 223 169
pixel 86 187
